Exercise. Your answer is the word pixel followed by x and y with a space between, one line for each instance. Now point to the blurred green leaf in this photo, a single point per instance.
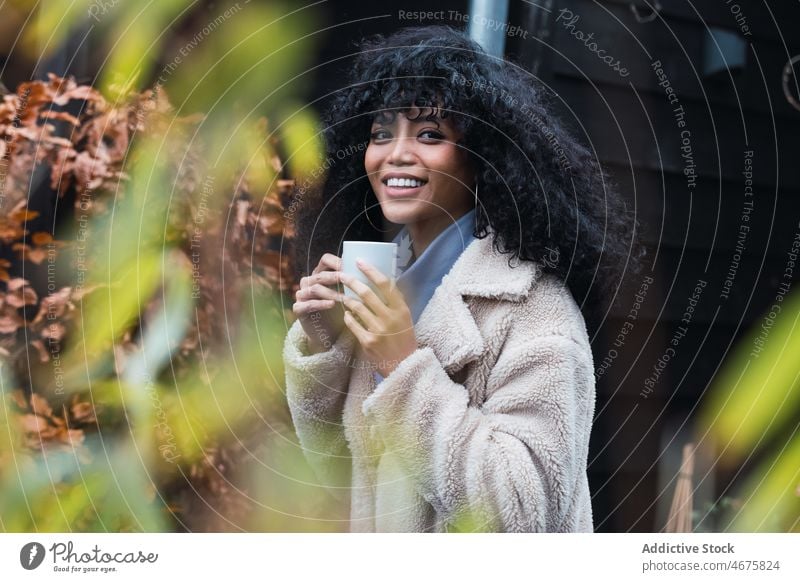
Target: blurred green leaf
pixel 753 397
pixel 139 31
pixel 110 311
pixel 755 401
pixel 301 138
pixel 159 408
pixel 771 494
pixel 54 21
pixel 64 494
pixel 250 57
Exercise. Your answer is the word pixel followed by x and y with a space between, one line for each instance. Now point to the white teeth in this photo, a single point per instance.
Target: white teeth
pixel 404 183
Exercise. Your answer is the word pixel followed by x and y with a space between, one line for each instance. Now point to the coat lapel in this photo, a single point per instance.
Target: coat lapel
pixel 448 328
pixel 447 325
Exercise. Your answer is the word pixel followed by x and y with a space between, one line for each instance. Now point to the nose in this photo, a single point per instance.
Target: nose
pixel 402 152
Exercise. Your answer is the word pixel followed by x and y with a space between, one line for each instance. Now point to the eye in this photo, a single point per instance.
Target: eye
pixel 431 135
pixel 380 134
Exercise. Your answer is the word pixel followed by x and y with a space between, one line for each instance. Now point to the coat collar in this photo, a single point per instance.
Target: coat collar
pixel 482 271
pixel 447 325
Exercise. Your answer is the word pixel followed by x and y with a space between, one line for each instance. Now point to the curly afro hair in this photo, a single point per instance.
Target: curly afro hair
pixel 542 195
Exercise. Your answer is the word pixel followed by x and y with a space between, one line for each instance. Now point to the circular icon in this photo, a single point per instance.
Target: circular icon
pixel 31 555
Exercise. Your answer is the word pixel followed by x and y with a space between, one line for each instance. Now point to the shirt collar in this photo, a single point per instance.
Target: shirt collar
pixel 419 280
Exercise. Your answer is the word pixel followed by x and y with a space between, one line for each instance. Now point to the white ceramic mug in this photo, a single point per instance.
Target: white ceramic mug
pixel 382 256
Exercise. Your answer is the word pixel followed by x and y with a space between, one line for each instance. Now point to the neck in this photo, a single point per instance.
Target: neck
pixel 423 232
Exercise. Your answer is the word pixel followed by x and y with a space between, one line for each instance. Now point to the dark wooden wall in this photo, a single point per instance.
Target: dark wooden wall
pixel 691 232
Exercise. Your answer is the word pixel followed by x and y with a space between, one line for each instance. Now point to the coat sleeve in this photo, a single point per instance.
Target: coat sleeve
pixel 513 464
pixel 316 387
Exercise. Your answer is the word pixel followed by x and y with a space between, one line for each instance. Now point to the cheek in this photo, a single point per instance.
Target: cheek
pixel 451 165
pixel 371 160
pixel 372 165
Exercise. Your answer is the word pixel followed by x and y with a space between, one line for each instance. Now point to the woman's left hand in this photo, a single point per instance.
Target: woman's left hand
pixel 384 329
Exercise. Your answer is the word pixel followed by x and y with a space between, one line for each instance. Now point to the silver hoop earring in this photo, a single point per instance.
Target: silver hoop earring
pixel 366 214
pixel 477 209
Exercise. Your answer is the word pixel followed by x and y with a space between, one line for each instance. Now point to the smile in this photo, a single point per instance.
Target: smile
pixel 404 183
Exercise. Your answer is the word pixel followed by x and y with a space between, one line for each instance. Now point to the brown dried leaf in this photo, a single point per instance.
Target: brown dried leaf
pixel 81 93
pixel 55 140
pixel 20 293
pixel 17 283
pixel 83 412
pixel 37 94
pixel 23 215
pixel 18 396
pixel 71 436
pixel 35 255
pixel 29 296
pixel 37 431
pixel 10 322
pixel 41 238
pixel 33 423
pixel 55 305
pixel 44 356
pixel 60 115
pixel 61 170
pixel 11 230
pixel 54 331
pixel 242 209
pixel 40 406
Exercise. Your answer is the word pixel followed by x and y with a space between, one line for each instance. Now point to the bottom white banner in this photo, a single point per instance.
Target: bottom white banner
pixel 388 557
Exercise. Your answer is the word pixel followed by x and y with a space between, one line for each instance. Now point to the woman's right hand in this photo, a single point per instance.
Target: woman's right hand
pixel 316 304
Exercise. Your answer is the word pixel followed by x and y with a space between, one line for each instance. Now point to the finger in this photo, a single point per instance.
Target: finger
pixel 362 335
pixel 329 278
pixel 328 262
pixel 380 280
pixel 302 308
pixel 371 322
pixel 366 294
pixel 318 291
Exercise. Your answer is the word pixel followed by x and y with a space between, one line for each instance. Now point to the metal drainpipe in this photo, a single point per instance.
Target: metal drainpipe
pixel 488 23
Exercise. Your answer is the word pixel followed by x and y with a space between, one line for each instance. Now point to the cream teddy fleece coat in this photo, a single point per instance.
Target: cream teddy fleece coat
pixel 487 423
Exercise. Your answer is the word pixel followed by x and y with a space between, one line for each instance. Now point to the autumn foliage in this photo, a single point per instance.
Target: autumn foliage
pixel 70 164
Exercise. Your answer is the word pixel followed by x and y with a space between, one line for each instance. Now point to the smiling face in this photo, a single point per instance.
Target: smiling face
pixel 420 176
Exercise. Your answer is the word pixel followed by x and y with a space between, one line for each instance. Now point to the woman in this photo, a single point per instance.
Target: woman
pixel 462 400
